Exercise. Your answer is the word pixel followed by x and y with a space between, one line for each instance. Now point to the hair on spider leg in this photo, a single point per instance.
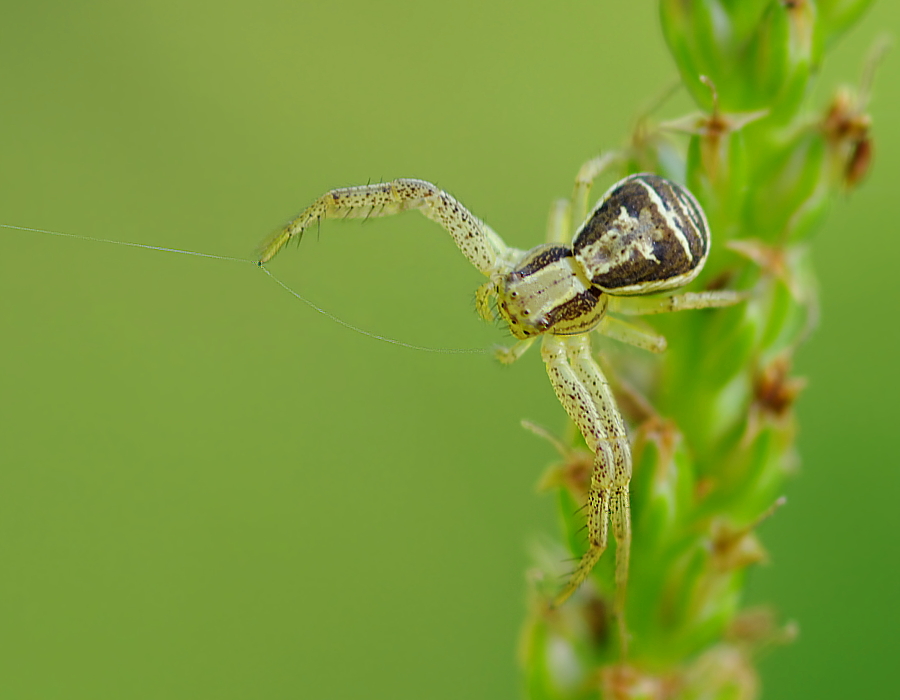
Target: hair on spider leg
pixel 569 560
pixel 581 537
pixel 504 329
pixel 568 574
pixel 299 236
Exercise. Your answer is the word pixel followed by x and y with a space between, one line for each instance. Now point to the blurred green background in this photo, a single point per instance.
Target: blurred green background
pixel 209 491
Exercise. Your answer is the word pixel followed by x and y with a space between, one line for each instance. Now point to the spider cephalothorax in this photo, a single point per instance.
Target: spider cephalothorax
pixel 646 235
pixel 548 291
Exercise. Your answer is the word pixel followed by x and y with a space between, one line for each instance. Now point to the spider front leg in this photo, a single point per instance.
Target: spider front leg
pixel 591 376
pixel 477 241
pixel 585 394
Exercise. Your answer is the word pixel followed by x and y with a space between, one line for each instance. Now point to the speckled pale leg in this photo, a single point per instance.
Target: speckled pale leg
pixel 591 376
pixel 625 332
pixel 565 212
pixel 559 222
pixel 585 394
pixel 643 306
pixel 477 241
pixel 584 181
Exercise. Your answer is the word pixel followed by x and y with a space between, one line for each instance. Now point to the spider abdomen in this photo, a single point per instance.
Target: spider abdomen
pixel 647 234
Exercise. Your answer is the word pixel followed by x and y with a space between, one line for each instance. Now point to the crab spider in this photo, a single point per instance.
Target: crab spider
pixel 645 235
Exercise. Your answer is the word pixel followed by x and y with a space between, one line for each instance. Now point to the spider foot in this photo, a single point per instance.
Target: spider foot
pixel 579 576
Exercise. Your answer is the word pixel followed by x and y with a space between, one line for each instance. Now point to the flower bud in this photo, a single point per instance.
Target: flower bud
pixel 759 54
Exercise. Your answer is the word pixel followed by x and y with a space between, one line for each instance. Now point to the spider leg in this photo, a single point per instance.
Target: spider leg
pixel 589 172
pixel 507 355
pixel 559 222
pixel 564 211
pixel 641 306
pixel 585 394
pixel 588 371
pixel 483 296
pixel 625 332
pixel 477 241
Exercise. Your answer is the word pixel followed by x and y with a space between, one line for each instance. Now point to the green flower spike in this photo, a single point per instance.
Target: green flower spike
pixel 711 421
